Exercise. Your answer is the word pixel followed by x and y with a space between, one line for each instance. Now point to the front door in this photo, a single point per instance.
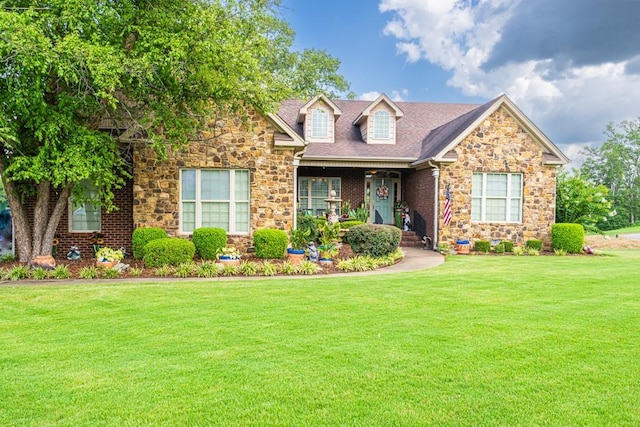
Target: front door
pixel 382 206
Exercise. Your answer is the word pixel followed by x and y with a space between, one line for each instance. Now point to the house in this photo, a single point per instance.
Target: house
pixel 492 167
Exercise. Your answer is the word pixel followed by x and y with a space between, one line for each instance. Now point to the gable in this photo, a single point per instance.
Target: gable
pixel 377 122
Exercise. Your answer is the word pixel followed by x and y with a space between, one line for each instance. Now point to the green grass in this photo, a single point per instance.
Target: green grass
pixel 477 341
pixel 626 230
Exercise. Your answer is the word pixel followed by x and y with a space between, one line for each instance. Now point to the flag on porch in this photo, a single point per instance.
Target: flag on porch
pixel 446 214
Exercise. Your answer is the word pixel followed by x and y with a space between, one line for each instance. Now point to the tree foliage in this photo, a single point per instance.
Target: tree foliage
pixel 150 70
pixel 616 165
pixel 580 201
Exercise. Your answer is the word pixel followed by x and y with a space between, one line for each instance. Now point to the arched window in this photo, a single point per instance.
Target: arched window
pixel 381 125
pixel 320 123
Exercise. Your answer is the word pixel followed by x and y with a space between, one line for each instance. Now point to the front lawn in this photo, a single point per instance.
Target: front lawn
pixel 477 341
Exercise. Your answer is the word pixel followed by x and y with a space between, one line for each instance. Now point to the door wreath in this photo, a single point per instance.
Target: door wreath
pixel 382 192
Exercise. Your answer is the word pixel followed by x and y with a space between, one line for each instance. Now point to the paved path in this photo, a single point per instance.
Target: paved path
pixel 633 236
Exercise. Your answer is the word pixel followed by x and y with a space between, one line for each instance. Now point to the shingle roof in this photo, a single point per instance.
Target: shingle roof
pixel 420 118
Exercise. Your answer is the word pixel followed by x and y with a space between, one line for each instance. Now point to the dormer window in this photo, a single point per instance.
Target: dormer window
pixel 381 125
pixel 319 123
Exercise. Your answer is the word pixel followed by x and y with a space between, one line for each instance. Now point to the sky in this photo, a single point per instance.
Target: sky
pixel 572 66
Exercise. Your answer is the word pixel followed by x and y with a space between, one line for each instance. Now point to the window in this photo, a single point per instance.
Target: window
pixel 313 191
pixel 84 214
pixel 381 125
pixel 319 123
pixel 496 197
pixel 214 198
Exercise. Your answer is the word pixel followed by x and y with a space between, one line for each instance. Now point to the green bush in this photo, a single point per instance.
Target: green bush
pixel 270 243
pixel 168 251
pixel 568 237
pixel 209 241
pixel 499 248
pixel 308 222
pixel 533 244
pixel 508 245
pixel 373 240
pixel 350 223
pixel 142 236
pixel 482 246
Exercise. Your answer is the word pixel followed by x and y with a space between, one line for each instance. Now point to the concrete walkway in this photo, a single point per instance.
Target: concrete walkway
pixel 415 258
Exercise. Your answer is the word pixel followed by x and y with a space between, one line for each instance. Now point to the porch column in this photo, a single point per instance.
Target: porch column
pixel 296 163
pixel 435 172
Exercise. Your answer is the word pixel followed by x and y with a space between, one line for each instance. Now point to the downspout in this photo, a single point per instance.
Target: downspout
pixel 435 173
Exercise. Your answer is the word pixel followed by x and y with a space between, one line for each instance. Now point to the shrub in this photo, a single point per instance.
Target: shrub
pixel 90 272
pixel 308 222
pixel 482 246
pixel 568 237
pixel 373 240
pixel 39 273
pixel 345 225
pixel 270 243
pixel 168 251
pixel 142 236
pixel 208 269
pixel 533 244
pixel 209 241
pixel 508 245
pixel 17 272
pixel 60 272
pixel 499 248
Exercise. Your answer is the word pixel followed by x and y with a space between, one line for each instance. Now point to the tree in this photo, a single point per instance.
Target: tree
pixel 616 165
pixel 157 68
pixel 579 201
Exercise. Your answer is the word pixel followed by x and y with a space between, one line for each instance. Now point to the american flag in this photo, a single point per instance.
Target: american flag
pixel 446 214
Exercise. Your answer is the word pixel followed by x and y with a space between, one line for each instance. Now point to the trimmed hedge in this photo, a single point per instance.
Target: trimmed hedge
pixel 350 223
pixel 168 251
pixel 209 241
pixel 482 246
pixel 142 236
pixel 270 243
pixel 533 244
pixel 568 237
pixel 373 240
pixel 508 245
pixel 499 248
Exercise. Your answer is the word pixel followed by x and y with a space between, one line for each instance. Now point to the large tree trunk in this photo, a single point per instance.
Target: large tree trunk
pixel 38 240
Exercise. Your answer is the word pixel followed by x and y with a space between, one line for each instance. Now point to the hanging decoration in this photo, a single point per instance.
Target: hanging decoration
pixel 382 192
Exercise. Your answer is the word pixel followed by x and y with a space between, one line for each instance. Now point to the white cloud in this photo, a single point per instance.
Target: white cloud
pixel 369 96
pixel 396 95
pixel 571 94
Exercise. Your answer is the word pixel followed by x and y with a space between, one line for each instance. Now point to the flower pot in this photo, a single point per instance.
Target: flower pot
pixel 106 264
pixel 296 256
pixel 325 261
pixel 227 260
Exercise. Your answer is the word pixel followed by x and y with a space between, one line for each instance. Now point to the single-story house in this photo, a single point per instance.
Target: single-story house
pixel 463 171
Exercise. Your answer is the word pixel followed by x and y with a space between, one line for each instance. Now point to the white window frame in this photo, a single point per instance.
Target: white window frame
pixel 86 186
pixel 508 198
pixel 232 200
pixel 319 123
pixel 310 197
pixel 381 125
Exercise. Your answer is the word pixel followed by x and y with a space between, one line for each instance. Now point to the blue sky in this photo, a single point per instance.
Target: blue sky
pixel 571 65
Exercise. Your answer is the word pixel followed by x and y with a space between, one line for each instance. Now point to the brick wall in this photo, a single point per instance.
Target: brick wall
pixel 116 226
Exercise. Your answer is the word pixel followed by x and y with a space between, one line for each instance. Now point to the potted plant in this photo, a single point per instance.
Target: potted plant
pixel 329 238
pixel 229 255
pixel 107 257
pixel 298 240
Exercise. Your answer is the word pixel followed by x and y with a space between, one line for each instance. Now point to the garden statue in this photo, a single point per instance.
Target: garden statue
pixel 73 254
pixel 332 200
pixel 406 219
pixel 313 252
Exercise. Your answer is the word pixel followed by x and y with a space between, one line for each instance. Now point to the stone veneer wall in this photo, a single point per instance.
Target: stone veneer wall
pixel 230 145
pixel 499 145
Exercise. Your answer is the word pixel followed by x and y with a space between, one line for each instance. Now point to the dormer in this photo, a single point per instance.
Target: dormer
pixel 318 118
pixel 378 121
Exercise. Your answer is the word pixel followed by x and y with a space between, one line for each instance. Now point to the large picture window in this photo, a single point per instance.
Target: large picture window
pixel 496 197
pixel 214 198
pixel 84 215
pixel 313 192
